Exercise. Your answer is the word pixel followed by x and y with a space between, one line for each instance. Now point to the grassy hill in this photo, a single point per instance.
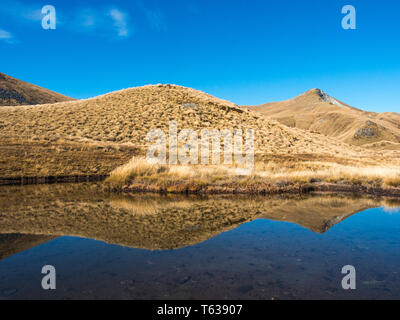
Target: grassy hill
pixel 126 116
pixel 14 92
pixel 316 111
pixel 95 136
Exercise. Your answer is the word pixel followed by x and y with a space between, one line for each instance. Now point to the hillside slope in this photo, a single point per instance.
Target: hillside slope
pixel 126 116
pixel 95 136
pixel 316 111
pixel 14 92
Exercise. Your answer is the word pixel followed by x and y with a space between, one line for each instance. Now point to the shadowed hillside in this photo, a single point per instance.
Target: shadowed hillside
pixel 14 92
pixel 11 244
pixel 316 111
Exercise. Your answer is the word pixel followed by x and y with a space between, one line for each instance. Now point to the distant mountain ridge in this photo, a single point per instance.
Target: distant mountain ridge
pixel 14 92
pixel 316 111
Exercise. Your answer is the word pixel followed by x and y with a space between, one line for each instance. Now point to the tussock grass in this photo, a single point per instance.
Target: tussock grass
pixel 311 111
pixel 138 171
pixel 98 135
pixel 127 116
pixel 136 167
pixel 334 173
pixel 393 181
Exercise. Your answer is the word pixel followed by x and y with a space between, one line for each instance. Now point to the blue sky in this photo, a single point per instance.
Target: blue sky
pixel 248 52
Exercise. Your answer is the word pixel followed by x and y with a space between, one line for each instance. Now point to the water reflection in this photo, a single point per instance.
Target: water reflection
pixel 154 222
pixel 224 247
pixel 11 244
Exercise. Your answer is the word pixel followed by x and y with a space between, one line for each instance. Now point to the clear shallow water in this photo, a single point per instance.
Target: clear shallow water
pixel 220 248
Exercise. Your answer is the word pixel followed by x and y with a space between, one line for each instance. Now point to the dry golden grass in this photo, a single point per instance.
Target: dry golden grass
pixel 138 168
pixel 311 112
pixel 332 173
pixel 21 158
pixel 393 181
pixel 138 173
pixel 125 117
pixel 96 136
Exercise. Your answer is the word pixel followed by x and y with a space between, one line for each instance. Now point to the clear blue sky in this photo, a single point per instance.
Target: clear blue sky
pixel 248 52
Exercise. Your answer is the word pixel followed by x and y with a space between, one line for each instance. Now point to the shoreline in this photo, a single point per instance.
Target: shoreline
pixel 24 181
pixel 306 188
pixel 228 189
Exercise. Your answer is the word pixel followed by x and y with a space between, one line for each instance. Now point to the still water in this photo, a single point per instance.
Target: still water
pixel 107 246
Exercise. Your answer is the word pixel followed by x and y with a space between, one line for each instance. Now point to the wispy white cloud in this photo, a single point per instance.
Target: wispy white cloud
pixel 106 21
pixel 109 22
pixel 120 20
pixel 87 18
pixel 6 36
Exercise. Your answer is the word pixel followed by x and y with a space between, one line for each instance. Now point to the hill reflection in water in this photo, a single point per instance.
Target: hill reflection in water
pixel 31 215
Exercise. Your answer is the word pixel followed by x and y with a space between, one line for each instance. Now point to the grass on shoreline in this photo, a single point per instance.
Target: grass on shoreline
pixel 139 174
